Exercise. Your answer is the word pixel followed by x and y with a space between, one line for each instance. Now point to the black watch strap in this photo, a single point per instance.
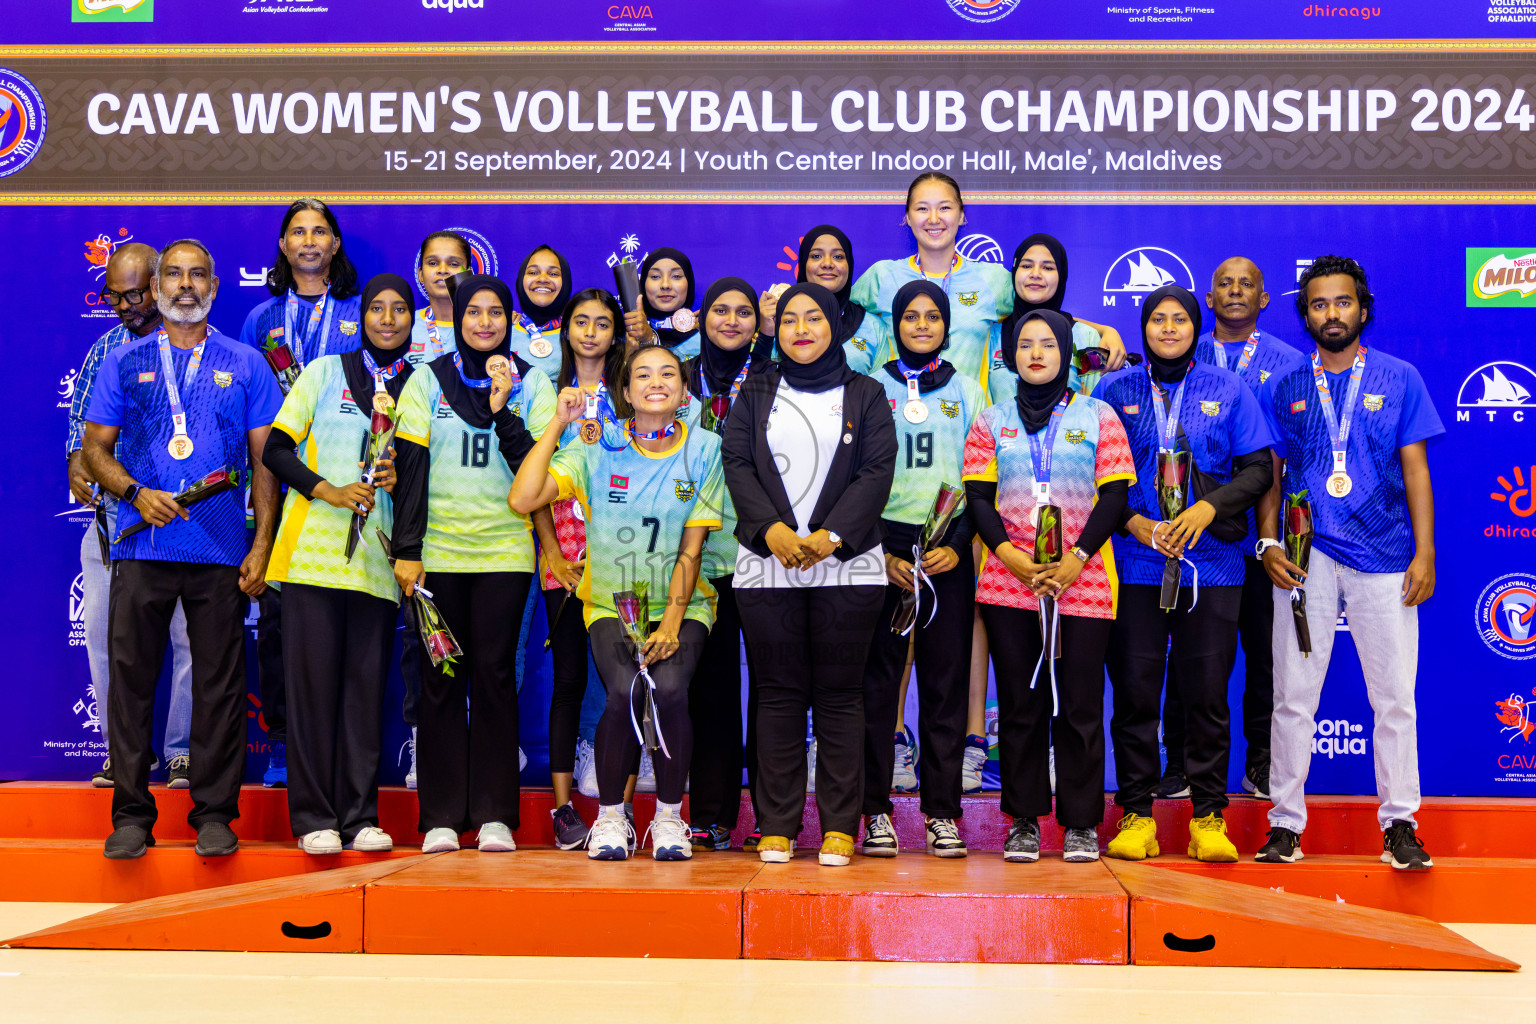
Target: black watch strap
pixel 132 493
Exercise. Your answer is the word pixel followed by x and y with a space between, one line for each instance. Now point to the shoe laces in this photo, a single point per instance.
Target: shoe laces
pixel 180 761
pixel 880 827
pixel 668 829
pixel 1279 832
pixel 1132 821
pixel 610 830
pixel 944 830
pixel 1209 823
pixel 1400 832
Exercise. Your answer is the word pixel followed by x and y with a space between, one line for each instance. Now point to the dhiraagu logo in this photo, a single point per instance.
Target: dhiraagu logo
pixel 111 10
pixel 1501 277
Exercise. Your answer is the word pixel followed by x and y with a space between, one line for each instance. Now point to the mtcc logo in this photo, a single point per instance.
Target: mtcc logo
pixel 1496 388
pixel 1339 737
pixel 1145 270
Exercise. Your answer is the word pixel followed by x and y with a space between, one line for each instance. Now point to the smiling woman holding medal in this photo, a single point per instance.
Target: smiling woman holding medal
pixel 1202 459
pixel 543 287
pixel 650 490
pixel 1048 457
pixel 826 258
pixel 453 533
pixel 339 595
pixel 666 316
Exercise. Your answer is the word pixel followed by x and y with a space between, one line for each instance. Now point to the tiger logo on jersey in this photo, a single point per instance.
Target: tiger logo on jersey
pixel 683 489
pixel 967 298
pixel 1374 402
pixel 858 343
pixel 1211 408
pixel 950 409
pixel 1076 436
pixel 224 379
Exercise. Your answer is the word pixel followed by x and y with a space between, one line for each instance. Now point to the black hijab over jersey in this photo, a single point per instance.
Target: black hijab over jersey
pixel 1169 371
pixel 850 313
pixel 543 316
pixel 1020 307
pixel 830 369
pixel 669 336
pixel 715 368
pixel 474 404
pixel 928 380
pixel 359 380
pixel 1036 401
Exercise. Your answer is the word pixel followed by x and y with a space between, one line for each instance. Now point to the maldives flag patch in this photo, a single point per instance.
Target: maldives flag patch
pixel 147 377
pixel 1130 410
pixel 1299 405
pixel 1010 432
pixel 619 482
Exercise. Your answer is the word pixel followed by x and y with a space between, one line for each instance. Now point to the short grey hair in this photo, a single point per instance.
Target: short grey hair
pixel 160 257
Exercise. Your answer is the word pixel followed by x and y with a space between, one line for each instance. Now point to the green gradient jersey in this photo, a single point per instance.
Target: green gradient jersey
pixel 320 415
pixel 637 504
pixel 870 347
pixel 720 546
pixel 931 453
pixel 469 526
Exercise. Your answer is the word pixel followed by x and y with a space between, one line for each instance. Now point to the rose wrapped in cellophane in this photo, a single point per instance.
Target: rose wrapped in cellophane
pixel 945 504
pixel 217 482
pixel 1172 497
pixel 634 613
pixel 280 357
pixel 712 416
pixel 381 434
pixel 1298 548
pixel 436 638
pixel 1048 548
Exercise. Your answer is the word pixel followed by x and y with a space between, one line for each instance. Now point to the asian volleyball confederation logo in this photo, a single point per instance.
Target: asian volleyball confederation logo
pixel 23 122
pixel 983 11
pixel 1506 616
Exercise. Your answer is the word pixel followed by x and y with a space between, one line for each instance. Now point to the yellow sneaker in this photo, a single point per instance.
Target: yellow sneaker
pixel 836 849
pixel 1136 840
pixel 775 849
pixel 1208 840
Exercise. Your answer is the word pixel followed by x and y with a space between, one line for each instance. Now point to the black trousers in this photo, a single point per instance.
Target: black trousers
pixel 1255 620
pixel 144 596
pixel 568 646
pixel 714 702
pixel 410 664
pixel 617 749
pixel 1026 730
pixel 1204 645
pixel 943 661
pixel 269 664
pixel 809 647
pixel 466 764
pixel 336 662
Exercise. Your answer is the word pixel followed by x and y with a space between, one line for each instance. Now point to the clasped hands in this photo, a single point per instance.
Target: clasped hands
pixel 1171 538
pixel 796 552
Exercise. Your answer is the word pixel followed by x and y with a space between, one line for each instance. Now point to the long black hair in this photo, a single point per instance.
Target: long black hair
pixel 613 362
pixel 343 274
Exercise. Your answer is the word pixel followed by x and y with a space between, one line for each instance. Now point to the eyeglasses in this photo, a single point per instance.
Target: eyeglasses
pixel 133 298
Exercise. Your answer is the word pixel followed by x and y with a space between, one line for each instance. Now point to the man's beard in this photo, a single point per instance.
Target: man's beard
pixel 182 315
pixel 1338 344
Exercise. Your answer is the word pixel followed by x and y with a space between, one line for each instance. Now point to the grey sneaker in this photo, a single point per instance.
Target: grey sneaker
pixel 128 843
pixel 1023 843
pixel 944 838
pixel 1173 786
pixel 495 837
pixel 215 839
pixel 880 837
pixel 1080 845
pixel 179 774
pixel 570 830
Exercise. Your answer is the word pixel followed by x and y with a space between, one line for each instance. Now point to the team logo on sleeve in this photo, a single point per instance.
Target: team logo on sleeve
pixel 1211 408
pixel 347 326
pixel 1131 410
pixel 1374 402
pixel 1076 436
pixel 950 409
pixel 223 378
pixel 1010 431
pixel 683 489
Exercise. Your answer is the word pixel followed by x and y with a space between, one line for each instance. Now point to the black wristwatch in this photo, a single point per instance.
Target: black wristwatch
pixel 132 493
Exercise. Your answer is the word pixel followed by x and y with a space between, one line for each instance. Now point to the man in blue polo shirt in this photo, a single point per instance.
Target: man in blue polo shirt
pixel 181 404
pixel 1235 343
pixel 1351 427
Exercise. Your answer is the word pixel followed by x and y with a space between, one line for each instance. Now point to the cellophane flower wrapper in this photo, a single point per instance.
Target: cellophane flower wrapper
pixel 381 434
pixel 280 357
pixel 712 415
pixel 436 637
pixel 634 617
pixel 935 526
pixel 1298 548
pixel 1172 496
pixel 1048 549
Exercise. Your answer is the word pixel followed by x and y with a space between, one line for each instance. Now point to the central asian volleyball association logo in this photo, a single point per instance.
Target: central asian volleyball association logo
pixel 1506 616
pixel 23 122
pixel 982 11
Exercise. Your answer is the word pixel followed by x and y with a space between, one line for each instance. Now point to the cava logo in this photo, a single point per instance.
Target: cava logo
pixel 23 122
pixel 1505 614
pixel 1495 389
pixel 1501 277
pixel 980 248
pixel 982 11
pixel 1145 270
pixel 112 10
pixel 98 253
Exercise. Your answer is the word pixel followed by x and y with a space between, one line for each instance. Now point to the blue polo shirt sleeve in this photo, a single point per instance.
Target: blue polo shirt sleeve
pixel 263 397
pixel 107 393
pixel 250 333
pixel 1419 421
pixel 1251 431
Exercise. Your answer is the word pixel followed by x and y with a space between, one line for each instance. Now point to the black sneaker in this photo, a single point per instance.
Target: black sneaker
pixel 749 844
pixel 103 778
pixel 1023 844
pixel 1174 786
pixel 179 775
pixel 1256 782
pixel 879 837
pixel 1283 847
pixel 944 838
pixel 570 830
pixel 710 839
pixel 1080 845
pixel 1401 848
pixel 128 843
pixel 215 839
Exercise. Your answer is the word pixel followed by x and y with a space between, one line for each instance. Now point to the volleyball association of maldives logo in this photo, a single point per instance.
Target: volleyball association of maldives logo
pixel 23 122
pixel 1506 616
pixel 982 11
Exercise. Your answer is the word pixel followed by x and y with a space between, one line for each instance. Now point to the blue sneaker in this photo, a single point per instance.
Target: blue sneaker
pixel 715 837
pixel 276 774
pixel 904 772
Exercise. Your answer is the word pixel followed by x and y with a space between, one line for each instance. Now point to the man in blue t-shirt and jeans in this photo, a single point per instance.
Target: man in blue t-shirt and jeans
pixel 179 404
pixel 1351 426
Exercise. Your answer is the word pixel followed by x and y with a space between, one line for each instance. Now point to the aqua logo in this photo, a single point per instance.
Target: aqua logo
pixel 23 122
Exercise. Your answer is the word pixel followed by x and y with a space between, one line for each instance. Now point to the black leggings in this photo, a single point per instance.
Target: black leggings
pixel 466 764
pixel 714 702
pixel 1026 731
pixel 568 645
pixel 617 747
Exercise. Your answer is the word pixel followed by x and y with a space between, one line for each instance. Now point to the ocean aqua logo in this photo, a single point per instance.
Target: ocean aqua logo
pixel 1496 388
pixel 983 11
pixel 482 254
pixel 1144 270
pixel 1506 614
pixel 112 10
pixel 980 249
pixel 23 122
pixel 453 5
pixel 1501 277
pixel 1339 737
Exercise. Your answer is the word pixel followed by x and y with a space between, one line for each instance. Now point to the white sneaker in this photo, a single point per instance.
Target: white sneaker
pixel 970 773
pixel 810 767
pixel 371 839
pixel 611 837
pixel 321 842
pixel 440 840
pixel 410 776
pixel 904 770
pixel 522 759
pixel 669 837
pixel 1052 767
pixel 495 837
pixel 586 769
pixel 646 781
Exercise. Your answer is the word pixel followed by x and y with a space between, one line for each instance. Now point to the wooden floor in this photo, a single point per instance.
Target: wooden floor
pixel 65 986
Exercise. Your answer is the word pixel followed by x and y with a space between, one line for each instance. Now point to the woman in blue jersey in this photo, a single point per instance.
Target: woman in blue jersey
pixel 338 611
pixel 590 355
pixel 1180 405
pixel 715 377
pixel 543 287
pixel 454 534
pixel 934 407
pixel 442 255
pixel 666 316
pixel 650 490
pixel 826 258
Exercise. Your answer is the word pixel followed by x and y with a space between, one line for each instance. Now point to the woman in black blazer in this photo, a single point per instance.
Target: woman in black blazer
pixel 809 455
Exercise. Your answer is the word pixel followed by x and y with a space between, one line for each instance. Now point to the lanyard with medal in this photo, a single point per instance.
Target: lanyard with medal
pixel 540 346
pixel 180 445
pixel 682 320
pixel 916 410
pixel 1048 543
pixel 1249 347
pixel 1339 483
pixel 954 263
pixel 434 337
pixel 717 406
pixel 320 314
pixel 651 435
pixel 1173 469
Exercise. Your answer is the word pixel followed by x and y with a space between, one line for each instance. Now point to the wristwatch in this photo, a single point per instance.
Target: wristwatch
pixel 837 541
pixel 1080 554
pixel 1264 544
pixel 132 493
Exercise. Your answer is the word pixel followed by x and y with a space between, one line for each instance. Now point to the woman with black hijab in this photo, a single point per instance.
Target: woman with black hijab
pixel 809 453
pixel 1048 445
pixel 338 612
pixel 714 378
pixel 666 316
pixel 543 289
pixel 826 258
pixel 452 521
pixel 1203 423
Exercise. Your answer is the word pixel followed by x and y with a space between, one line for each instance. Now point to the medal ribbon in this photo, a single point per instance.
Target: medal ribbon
pixel 1167 418
pixel 532 329
pixel 913 394
pixel 1243 360
pixel 321 315
pixel 381 377
pixel 954 264
pixel 433 335
pixel 1338 423
pixel 666 431
pixel 168 371
pixel 1040 447
pixel 735 389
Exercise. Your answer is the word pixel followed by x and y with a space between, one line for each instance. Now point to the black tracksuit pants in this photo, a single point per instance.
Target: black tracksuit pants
pixel 714 703
pixel 269 664
pixel 568 650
